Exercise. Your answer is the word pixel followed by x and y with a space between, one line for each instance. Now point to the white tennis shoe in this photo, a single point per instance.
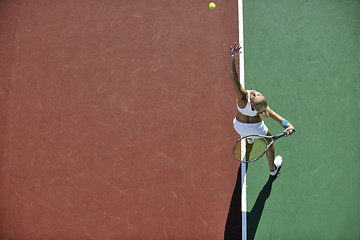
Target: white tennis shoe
pixel 277 163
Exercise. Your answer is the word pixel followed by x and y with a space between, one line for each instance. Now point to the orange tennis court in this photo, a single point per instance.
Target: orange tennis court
pixel 115 119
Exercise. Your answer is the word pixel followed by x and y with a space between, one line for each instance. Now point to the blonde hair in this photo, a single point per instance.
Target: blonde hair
pixel 262 104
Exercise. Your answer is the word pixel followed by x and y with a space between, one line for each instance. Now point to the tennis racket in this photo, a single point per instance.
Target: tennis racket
pixel 260 146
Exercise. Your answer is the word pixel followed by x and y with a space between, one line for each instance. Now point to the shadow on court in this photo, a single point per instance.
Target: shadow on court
pixel 233 227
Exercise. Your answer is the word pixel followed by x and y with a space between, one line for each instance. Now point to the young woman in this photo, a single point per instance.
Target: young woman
pixel 252 107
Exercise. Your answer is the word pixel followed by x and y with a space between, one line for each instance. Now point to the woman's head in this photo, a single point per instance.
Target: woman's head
pixel 258 101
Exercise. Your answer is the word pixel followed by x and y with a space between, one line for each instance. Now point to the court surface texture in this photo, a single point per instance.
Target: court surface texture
pixel 116 119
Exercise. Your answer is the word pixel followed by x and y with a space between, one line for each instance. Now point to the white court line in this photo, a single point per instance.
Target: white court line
pixel 243 148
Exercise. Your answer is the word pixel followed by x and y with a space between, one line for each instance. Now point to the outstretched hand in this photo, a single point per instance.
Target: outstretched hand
pixel 235 50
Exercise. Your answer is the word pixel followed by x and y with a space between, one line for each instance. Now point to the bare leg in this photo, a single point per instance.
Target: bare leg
pixel 248 150
pixel 270 153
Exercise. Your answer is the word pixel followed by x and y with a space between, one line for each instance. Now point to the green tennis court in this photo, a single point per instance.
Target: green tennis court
pixel 304 57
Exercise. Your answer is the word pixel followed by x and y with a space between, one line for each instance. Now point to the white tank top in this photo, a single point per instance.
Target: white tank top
pixel 247 110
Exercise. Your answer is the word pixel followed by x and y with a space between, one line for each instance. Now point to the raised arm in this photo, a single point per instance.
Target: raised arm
pixel 240 91
pixel 285 123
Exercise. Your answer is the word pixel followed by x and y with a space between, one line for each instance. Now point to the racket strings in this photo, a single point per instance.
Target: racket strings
pixel 258 147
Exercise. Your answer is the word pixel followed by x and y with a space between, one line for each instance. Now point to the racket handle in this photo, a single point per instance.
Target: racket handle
pixel 281 135
pixel 293 130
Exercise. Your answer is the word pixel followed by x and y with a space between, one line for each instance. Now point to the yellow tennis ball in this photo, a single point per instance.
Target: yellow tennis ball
pixel 212 5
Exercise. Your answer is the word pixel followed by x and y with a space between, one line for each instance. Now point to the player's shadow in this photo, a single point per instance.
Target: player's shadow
pixel 233 225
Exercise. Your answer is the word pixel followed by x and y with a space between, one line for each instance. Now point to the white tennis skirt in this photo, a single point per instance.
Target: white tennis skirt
pixel 244 129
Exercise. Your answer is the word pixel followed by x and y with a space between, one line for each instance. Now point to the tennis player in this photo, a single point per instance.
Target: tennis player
pixel 252 107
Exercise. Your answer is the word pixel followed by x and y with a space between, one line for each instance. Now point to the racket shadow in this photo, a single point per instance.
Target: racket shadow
pixel 233 227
